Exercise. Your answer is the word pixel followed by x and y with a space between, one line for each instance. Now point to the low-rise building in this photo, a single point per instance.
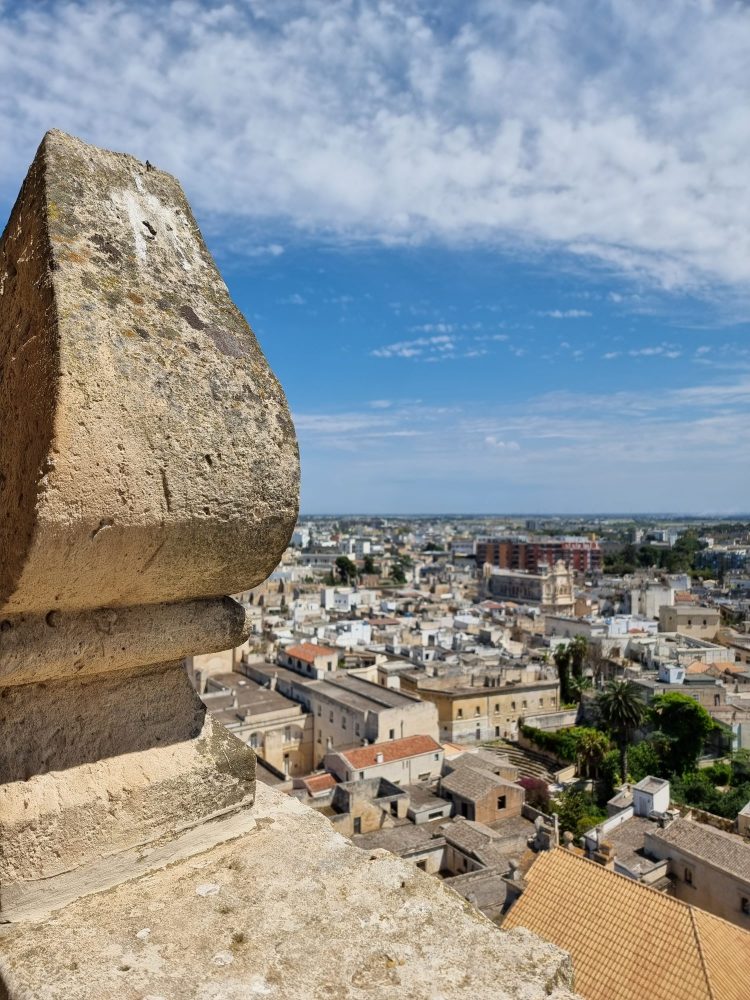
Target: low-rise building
pixel 309 658
pixel 471 712
pixel 690 619
pixel 709 868
pixel 277 728
pixel 402 761
pixel 479 794
pixel 347 710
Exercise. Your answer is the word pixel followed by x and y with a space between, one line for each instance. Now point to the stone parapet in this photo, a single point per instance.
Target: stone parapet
pixel 290 911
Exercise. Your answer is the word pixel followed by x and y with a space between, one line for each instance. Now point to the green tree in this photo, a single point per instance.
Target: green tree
pixel 686 724
pixel 577 648
pixel 644 759
pixel 740 767
pixel 397 573
pixel 592 745
pixel 561 656
pixel 577 811
pixel 621 711
pixel 370 566
pixel 346 569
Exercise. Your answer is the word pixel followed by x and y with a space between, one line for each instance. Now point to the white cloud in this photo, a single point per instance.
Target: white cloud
pixel 565 313
pixel 659 350
pixel 493 442
pixel 423 348
pixel 499 123
pixel 415 457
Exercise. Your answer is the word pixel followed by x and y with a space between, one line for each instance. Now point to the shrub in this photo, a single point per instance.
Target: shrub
pixel 719 774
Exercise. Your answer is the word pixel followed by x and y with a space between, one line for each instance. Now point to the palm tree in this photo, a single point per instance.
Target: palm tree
pixel 621 711
pixel 577 648
pixel 591 749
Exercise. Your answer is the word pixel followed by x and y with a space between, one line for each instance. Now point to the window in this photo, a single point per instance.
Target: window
pixel 287 734
pixel 435 815
pixel 524 704
pixel 358 824
pixel 745 905
pixel 497 709
pixel 436 756
pixel 501 802
pixel 689 876
pixel 478 733
pixel 319 710
pixel 541 701
pixel 460 713
pixel 320 738
pixel 254 740
pixel 361 775
pixel 497 730
pixel 391 734
pixel 476 711
pixel 356 729
pixel 330 716
pixel 513 705
pixel 343 722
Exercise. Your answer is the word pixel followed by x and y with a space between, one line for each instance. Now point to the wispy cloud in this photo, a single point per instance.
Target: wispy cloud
pixel 403 123
pixel 565 313
pixel 423 348
pixel 670 351
pixel 619 448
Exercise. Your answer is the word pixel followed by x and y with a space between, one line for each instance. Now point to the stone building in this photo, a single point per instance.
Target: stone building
pixel 403 761
pixel 277 728
pixel 550 589
pixel 477 793
pixel 348 711
pixel 469 712
pixel 709 868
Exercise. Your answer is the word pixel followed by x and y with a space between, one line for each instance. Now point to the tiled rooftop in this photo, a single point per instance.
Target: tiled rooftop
pixel 307 651
pixel 409 746
pixel 627 941
pixel 726 851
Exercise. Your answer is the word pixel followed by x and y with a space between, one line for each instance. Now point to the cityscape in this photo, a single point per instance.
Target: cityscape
pixel 472 694
pixel 374 500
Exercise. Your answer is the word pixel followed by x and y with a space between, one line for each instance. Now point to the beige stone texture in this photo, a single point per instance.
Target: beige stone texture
pixel 59 644
pixel 148 467
pixel 95 766
pixel 147 452
pixel 290 911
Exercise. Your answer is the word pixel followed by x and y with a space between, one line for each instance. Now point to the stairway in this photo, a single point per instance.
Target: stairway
pixel 530 763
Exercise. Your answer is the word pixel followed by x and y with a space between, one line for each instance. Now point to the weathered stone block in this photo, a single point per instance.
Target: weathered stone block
pixel 148 467
pixel 147 453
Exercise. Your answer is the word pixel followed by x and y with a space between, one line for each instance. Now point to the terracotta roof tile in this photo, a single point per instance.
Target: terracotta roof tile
pixel 307 651
pixel 628 941
pixel 409 746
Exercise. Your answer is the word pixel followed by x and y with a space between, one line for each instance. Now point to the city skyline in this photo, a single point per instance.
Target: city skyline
pixel 497 261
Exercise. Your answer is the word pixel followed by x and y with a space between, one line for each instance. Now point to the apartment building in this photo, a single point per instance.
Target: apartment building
pixel 580 554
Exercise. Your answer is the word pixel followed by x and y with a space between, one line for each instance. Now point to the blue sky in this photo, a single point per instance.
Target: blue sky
pixel 498 253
